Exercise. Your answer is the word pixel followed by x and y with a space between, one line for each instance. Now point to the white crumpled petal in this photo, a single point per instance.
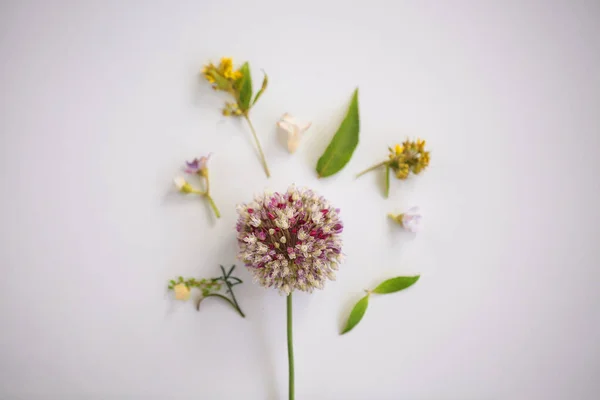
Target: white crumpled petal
pixel 294 130
pixel 179 182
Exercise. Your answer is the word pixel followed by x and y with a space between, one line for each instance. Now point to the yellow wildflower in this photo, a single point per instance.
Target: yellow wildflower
pixel 402 171
pixel 226 64
pixel 226 69
pixel 398 149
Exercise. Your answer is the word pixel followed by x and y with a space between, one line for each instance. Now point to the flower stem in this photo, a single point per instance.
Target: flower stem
pixel 213 205
pixel 236 307
pixel 260 151
pixel 381 164
pixel 290 345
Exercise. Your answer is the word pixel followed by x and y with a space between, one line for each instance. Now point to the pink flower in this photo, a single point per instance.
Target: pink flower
pixel 290 241
pixel 198 165
pixel 411 220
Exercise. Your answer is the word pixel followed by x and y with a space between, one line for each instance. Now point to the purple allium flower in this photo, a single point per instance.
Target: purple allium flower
pixel 197 165
pixel 290 240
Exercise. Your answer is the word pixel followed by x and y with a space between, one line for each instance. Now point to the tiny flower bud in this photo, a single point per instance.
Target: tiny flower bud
pixel 182 292
pixel 183 185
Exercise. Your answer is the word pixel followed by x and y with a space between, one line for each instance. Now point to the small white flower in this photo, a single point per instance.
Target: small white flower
pixel 294 130
pixel 250 239
pixel 179 182
pixel 411 220
pixel 262 248
pixel 254 221
pixel 317 217
pixel 183 185
pixel 302 234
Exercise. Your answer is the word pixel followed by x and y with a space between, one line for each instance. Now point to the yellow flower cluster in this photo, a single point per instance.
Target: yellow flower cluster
pixel 410 156
pixel 222 76
pixel 231 109
pixel 226 69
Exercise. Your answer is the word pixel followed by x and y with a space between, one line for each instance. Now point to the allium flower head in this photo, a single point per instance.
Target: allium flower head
pixel 290 241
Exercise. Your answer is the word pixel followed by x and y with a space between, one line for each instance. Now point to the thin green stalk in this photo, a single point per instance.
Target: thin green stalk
pixel 290 344
pixel 260 151
pixel 208 197
pixel 381 164
pixel 213 205
pixel 233 296
pixel 237 308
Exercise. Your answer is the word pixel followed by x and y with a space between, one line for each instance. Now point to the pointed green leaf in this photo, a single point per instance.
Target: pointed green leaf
pixel 356 314
pixel 340 150
pixel 387 180
pixel 262 89
pixel 245 85
pixel 396 284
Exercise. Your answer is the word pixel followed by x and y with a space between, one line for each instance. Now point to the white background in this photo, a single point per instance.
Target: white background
pixel 101 104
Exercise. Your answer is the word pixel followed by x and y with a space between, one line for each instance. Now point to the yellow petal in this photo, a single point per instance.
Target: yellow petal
pixel 182 292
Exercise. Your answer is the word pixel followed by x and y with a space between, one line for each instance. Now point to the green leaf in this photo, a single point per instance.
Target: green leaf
pixel 245 86
pixel 262 89
pixel 345 140
pixel 396 284
pixel 387 180
pixel 356 314
pixel 221 82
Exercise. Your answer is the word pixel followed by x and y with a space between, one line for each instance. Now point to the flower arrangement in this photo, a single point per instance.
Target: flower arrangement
pixel 291 241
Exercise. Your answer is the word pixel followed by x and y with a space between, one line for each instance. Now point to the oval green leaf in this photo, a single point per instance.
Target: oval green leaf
pixel 396 284
pixel 356 314
pixel 345 140
pixel 245 85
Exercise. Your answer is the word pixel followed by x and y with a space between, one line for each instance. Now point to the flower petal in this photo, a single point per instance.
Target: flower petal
pixel 179 182
pixel 305 127
pixel 287 126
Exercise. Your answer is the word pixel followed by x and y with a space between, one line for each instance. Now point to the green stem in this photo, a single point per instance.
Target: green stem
pixel 213 205
pixel 224 298
pixel 290 344
pixel 381 164
pixel 260 151
pixel 233 296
